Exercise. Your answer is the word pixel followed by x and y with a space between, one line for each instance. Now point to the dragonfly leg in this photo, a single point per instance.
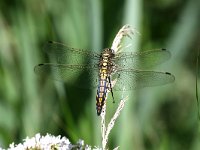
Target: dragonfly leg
pixel 111 89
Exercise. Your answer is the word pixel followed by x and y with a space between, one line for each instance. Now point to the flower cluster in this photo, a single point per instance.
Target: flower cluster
pixel 48 142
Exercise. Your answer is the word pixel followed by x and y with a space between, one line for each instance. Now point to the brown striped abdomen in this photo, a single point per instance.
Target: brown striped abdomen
pixel 101 95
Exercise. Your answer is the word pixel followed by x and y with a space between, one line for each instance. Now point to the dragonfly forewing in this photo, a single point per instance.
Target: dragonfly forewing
pixel 142 60
pixel 63 54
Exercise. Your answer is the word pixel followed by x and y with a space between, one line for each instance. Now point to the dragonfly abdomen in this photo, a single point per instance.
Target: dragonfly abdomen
pixel 101 95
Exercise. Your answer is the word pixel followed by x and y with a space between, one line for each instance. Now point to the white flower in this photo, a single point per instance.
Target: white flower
pixel 47 142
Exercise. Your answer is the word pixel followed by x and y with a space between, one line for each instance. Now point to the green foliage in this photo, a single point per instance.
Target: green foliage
pixel 154 118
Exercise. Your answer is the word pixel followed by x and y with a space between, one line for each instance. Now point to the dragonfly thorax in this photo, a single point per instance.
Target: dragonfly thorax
pixel 106 60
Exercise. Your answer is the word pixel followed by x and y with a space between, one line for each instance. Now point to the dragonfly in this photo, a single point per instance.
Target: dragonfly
pixel 128 69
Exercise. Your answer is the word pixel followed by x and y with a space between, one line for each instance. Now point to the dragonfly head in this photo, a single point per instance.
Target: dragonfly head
pixel 108 52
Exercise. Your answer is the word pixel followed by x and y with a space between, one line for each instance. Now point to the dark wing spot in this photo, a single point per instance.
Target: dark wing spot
pixel 40 64
pixel 168 73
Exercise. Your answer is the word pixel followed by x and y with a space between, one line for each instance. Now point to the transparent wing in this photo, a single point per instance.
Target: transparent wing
pixel 63 54
pixel 128 79
pixel 142 60
pixel 86 76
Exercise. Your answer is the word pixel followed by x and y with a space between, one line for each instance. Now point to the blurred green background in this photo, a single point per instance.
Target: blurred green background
pixel 163 118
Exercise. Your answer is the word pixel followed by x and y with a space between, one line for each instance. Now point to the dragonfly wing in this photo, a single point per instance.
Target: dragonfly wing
pixel 84 76
pixel 63 54
pixel 128 79
pixel 142 60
